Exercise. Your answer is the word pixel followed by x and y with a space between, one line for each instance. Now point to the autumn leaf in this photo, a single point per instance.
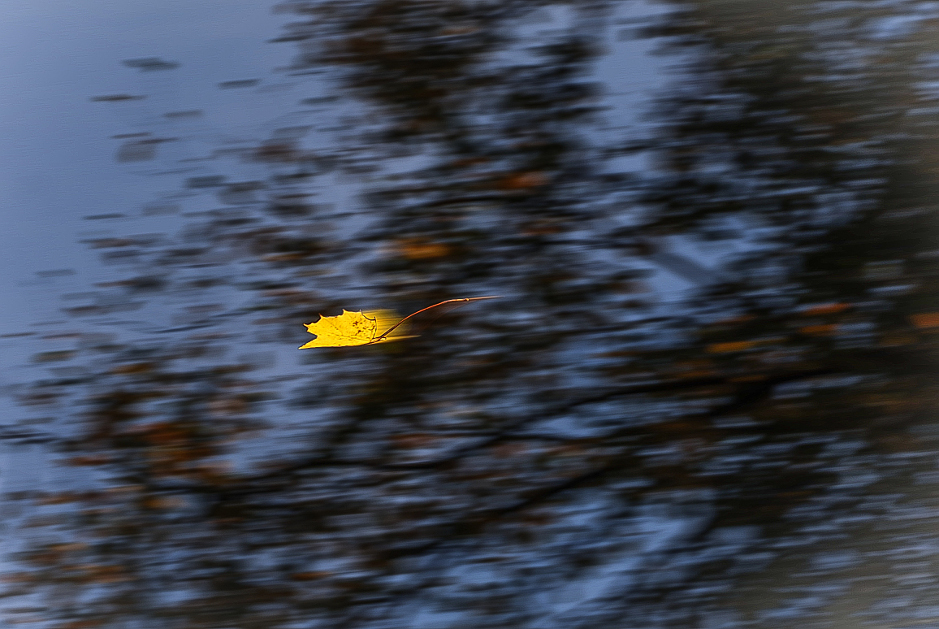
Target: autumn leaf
pixel 925 320
pixel 733 346
pixel 825 309
pixel 366 328
pixel 351 328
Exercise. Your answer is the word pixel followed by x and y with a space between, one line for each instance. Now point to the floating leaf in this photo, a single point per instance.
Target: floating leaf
pixel 925 320
pixel 819 330
pixel 826 309
pixel 365 328
pixel 351 328
pixel 733 346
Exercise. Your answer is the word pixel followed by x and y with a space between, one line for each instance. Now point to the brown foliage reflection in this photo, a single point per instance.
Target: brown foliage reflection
pixel 573 431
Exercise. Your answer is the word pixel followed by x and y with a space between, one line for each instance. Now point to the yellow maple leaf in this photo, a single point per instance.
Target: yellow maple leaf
pixel 354 328
pixel 365 328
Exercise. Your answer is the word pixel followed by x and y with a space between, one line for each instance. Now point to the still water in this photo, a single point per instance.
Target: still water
pixel 703 396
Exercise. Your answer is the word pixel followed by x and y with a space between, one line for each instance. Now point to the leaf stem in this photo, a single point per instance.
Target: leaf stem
pixel 446 301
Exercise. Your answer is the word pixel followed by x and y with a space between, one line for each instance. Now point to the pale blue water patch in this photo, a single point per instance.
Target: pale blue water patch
pixel 58 163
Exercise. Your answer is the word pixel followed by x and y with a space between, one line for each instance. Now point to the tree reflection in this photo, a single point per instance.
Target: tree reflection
pixel 576 452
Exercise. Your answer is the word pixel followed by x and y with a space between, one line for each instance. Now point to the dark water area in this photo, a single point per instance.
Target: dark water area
pixel 681 373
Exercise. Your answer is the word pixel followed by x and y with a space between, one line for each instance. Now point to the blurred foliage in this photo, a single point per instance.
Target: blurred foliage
pixel 473 473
